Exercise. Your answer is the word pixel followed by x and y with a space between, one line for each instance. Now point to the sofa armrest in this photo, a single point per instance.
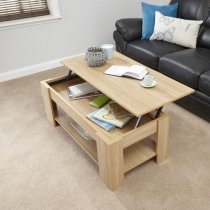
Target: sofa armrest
pixel 129 28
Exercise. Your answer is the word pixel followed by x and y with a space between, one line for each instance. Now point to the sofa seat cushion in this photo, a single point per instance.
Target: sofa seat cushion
pixel 204 83
pixel 186 66
pixel 148 52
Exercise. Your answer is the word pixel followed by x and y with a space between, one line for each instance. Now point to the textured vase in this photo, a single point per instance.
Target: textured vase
pixel 95 56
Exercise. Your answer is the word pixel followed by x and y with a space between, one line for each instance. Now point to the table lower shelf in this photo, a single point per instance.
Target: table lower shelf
pixel 89 146
pixel 134 155
pixel 138 153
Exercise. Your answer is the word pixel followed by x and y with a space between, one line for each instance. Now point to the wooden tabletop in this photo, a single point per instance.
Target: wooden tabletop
pixel 128 92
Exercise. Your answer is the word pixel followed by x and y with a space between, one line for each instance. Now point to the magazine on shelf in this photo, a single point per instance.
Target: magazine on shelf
pixel 105 114
pixel 104 125
pixel 118 111
pixel 83 90
pixel 135 71
pixel 72 97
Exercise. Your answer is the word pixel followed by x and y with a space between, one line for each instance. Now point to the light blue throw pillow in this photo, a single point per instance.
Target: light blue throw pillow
pixel 148 16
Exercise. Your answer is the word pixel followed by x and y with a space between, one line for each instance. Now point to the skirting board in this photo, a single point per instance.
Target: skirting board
pixel 14 74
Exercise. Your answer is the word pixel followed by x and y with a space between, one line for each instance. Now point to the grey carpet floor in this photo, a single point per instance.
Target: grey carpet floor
pixel 41 168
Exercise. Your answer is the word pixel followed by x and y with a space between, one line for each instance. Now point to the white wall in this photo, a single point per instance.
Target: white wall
pixel 85 23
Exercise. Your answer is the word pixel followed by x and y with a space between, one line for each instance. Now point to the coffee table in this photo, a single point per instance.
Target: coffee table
pixel 121 150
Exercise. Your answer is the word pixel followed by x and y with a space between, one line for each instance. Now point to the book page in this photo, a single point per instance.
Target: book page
pixel 135 71
pixel 116 70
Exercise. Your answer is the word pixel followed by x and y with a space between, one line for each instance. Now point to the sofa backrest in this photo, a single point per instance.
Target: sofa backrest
pixel 204 37
pixel 197 10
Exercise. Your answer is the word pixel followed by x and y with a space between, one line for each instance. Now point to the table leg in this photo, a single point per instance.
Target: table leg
pixel 111 165
pixel 50 106
pixel 162 138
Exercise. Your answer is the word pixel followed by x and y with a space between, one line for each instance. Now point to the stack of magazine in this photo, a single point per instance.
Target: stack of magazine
pixel 110 116
pixel 83 90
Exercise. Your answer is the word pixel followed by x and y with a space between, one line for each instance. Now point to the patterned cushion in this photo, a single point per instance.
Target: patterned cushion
pixel 178 31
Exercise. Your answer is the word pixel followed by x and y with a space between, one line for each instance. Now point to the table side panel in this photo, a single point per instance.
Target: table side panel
pixel 140 133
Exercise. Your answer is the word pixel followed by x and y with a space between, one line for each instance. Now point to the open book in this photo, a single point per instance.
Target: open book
pixel 135 71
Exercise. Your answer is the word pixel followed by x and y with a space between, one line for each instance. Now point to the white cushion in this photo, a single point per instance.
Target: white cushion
pixel 175 30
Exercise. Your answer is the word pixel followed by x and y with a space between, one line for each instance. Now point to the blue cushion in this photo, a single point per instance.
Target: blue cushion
pixel 148 15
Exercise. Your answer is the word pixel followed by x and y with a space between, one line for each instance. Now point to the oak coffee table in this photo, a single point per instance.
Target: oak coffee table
pixel 120 150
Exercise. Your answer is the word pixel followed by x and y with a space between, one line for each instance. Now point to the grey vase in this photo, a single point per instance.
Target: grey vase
pixel 95 56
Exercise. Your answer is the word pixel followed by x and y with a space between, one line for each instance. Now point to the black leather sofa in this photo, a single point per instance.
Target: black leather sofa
pixel 188 66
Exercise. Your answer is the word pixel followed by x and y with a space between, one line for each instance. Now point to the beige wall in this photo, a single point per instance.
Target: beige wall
pixel 84 24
